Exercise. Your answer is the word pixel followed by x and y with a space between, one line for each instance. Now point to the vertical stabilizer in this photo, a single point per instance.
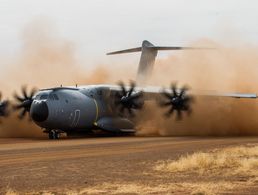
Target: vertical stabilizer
pixel 147 60
pixel 146 63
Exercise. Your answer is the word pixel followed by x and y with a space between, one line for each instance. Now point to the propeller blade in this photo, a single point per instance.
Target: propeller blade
pixel 132 88
pixel 24 101
pixel 33 92
pixel 18 98
pixel 189 99
pixel 173 88
pixel 24 93
pixel 118 95
pixel 137 105
pixel 121 84
pixel 4 108
pixel 189 111
pixel 17 107
pixel 131 112
pixel 178 101
pixel 183 91
pixel 167 95
pixel 170 112
pixel 128 100
pixel 22 114
pixel 165 104
pixel 137 95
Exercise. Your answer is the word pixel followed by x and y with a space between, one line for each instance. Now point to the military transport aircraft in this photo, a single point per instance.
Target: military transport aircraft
pixel 105 107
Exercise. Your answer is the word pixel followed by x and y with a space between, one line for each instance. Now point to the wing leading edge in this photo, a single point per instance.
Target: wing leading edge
pixel 152 92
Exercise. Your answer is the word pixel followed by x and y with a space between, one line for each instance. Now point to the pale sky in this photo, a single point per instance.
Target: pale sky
pixel 99 26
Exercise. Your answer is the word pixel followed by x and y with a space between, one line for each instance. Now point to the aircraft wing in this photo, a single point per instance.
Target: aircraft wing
pixel 153 92
pixel 178 100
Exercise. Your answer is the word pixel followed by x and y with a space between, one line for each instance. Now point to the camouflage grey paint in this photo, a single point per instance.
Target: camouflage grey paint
pixel 75 108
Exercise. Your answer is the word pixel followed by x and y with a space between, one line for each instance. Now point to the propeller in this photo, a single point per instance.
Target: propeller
pixel 24 101
pixel 128 99
pixel 177 100
pixel 4 107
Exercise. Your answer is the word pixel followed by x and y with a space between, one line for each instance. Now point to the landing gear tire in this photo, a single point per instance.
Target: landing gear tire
pixel 53 134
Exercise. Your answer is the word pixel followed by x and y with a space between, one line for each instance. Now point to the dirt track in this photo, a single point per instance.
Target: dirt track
pixel 37 165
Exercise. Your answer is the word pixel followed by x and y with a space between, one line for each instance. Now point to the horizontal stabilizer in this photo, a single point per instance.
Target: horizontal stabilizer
pixel 156 48
pixel 175 48
pixel 137 49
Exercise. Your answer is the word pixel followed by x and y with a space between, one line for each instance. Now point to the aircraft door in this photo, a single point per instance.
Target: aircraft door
pixel 76 118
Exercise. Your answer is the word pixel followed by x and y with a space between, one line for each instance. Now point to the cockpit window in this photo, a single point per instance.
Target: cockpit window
pixel 51 97
pixel 43 97
pixel 56 97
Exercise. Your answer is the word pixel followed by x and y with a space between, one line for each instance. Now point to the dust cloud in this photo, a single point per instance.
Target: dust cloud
pixel 223 69
pixel 48 60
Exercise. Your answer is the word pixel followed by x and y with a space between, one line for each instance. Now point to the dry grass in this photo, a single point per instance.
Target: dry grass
pixel 134 188
pixel 241 160
pixel 11 192
pixel 225 165
pixel 202 188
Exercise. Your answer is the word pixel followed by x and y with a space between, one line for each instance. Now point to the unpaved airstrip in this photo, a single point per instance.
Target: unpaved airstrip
pixel 119 165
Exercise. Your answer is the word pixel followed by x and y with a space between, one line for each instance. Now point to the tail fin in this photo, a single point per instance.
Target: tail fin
pixel 147 60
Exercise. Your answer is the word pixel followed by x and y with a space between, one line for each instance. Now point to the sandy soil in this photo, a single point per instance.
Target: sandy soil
pixel 89 165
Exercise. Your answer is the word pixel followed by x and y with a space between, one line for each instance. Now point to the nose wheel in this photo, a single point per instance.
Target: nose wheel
pixel 53 134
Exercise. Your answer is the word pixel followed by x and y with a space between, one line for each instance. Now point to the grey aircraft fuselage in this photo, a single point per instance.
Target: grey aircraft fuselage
pixel 71 108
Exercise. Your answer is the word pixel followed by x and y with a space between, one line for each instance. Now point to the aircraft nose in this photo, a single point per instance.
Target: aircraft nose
pixel 39 111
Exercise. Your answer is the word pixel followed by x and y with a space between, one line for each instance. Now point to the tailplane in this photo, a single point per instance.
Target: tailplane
pixel 147 60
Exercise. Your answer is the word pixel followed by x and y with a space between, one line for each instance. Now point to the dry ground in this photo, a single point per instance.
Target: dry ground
pixel 129 165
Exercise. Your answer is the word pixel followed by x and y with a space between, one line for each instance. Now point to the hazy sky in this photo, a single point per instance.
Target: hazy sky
pixel 98 26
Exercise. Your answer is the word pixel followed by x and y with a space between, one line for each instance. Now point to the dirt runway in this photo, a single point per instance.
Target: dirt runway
pixel 38 165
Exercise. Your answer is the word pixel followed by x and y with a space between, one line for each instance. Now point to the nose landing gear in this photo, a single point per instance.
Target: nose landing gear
pixel 53 134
